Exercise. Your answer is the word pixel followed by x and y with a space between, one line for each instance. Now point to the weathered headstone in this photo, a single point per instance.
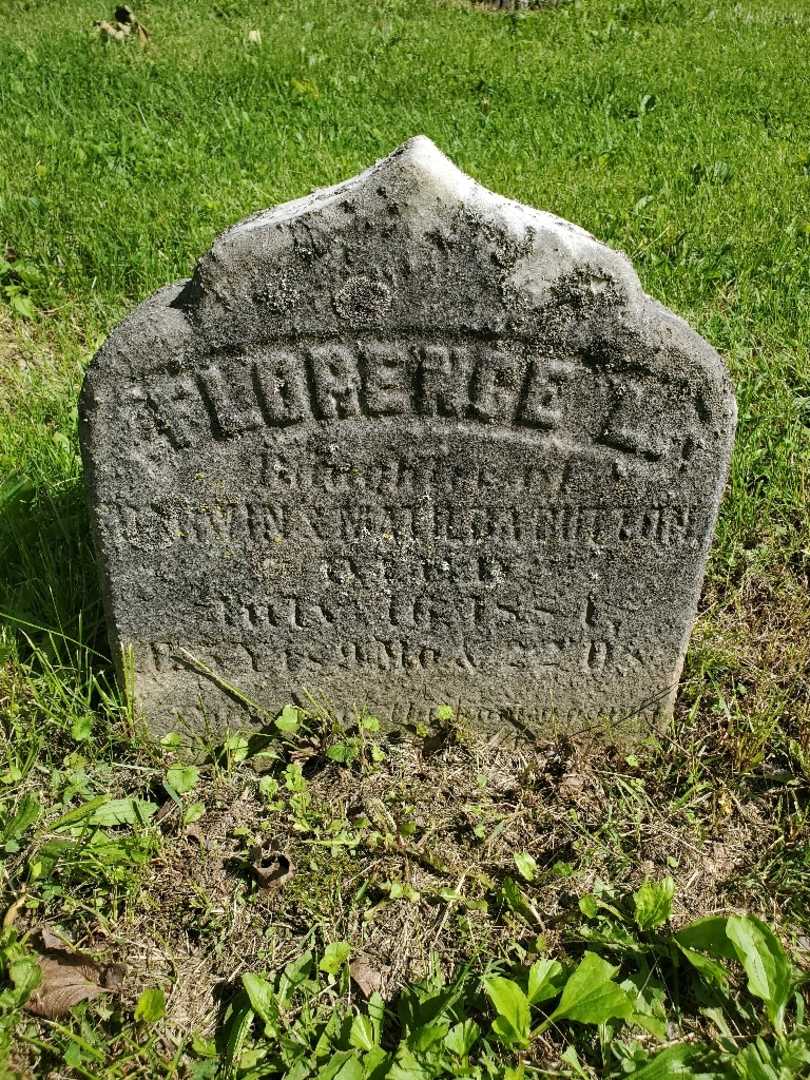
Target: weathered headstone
pixel 520 5
pixel 399 443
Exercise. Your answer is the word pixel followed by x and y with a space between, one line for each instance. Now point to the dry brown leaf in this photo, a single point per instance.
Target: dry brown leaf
pixel 48 940
pixel 68 977
pixel 14 910
pixel 303 753
pixel 273 869
pixel 165 810
pixel 367 978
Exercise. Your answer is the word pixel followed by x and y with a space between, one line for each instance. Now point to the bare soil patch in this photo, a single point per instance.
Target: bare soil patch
pixel 412 860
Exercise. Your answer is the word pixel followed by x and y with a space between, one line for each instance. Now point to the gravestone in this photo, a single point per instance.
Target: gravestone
pixel 520 5
pixel 403 443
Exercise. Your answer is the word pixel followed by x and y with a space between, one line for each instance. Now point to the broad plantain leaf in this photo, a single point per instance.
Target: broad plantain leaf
pixel 768 969
pixel 708 968
pixel 590 996
pixel 123 812
pixel 426 1036
pixel 80 813
pixel 406 1066
pixel 343 1065
pixel 653 903
pixel 462 1037
pixel 542 980
pixel 512 1007
pixel 515 899
pixel 27 813
pixel 675 1061
pixel 707 935
pixel 361 1035
pixel 288 719
pixel 335 956
pixel 183 778
pixel 25 975
pixel 526 865
pixel 782 1059
pixel 237 1031
pixel 262 999
pixel 151 1005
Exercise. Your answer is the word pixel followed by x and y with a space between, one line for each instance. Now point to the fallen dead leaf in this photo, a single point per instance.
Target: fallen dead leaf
pixel 304 752
pixel 166 809
pixel 14 910
pixel 68 977
pixel 273 869
pixel 367 978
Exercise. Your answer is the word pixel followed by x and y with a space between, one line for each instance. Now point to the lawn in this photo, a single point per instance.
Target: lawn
pixel 676 131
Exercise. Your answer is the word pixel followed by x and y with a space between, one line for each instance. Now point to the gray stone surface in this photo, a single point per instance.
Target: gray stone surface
pixel 521 5
pixel 399 443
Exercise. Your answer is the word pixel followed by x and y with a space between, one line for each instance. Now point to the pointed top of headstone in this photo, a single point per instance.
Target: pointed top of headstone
pixel 403 217
pixel 420 163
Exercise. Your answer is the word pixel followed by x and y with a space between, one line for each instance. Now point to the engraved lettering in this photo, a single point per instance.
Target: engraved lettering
pixel 392 450
pixel 444 380
pixel 628 425
pixel 170 409
pixel 282 390
pixel 386 380
pixel 495 387
pixel 336 381
pixel 234 407
pixel 540 404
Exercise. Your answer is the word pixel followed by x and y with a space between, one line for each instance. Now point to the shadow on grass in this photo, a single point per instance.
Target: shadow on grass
pixel 49 588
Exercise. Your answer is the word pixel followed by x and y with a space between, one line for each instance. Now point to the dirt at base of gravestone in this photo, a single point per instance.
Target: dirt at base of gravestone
pixel 406 859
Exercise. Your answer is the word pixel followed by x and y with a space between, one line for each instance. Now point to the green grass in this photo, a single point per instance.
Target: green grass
pixel 678 132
